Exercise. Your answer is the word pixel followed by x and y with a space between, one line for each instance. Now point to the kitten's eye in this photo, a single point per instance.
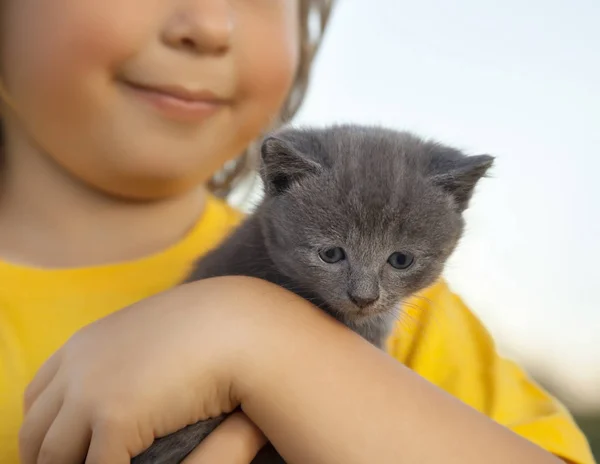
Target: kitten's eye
pixel 400 260
pixel 332 255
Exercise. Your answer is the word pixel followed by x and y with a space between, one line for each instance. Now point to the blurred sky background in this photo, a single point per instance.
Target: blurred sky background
pixel 519 80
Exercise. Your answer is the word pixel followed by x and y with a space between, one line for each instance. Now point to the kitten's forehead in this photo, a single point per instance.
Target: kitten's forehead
pixel 375 185
pixel 379 169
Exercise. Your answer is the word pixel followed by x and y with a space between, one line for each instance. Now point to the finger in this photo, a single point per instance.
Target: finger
pixel 37 422
pixel 106 447
pixel 41 380
pixel 68 439
pixel 235 441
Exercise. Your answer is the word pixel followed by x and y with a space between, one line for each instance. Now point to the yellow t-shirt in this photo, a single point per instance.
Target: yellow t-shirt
pixel 439 337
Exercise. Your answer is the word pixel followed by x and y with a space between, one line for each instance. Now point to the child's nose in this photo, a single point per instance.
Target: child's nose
pixel 200 26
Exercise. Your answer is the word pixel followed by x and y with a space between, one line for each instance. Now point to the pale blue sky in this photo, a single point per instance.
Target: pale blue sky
pixel 519 80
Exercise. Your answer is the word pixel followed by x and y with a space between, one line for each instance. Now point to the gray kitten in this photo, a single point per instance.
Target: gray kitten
pixel 355 220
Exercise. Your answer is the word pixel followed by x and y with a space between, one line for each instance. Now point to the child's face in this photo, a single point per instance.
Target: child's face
pixel 71 67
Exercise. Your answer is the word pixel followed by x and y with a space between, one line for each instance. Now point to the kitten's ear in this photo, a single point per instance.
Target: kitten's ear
pixel 283 165
pixel 460 179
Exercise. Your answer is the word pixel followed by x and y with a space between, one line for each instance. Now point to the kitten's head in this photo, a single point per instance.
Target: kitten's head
pixel 364 217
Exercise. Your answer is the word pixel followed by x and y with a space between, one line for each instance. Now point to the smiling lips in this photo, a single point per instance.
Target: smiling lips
pixel 177 102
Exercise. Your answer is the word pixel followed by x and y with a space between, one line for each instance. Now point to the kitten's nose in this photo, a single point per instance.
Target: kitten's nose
pixel 362 301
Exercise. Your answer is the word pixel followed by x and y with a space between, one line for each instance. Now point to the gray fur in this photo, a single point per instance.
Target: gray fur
pixel 369 190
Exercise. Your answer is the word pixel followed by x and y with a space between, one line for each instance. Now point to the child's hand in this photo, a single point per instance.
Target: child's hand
pixel 236 441
pixel 143 372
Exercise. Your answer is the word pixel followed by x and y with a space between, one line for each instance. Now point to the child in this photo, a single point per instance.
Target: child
pixel 116 114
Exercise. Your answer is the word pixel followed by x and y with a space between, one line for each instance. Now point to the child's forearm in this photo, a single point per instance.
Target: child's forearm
pixel 323 395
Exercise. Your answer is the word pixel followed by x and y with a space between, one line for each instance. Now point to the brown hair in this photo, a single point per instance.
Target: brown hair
pixel 314 15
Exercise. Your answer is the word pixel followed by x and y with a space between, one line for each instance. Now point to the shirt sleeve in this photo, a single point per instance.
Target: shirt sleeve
pixel 442 340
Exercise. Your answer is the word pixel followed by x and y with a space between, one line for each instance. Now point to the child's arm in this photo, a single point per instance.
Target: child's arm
pixel 328 396
pixel 319 392
pixel 237 440
pixel 441 339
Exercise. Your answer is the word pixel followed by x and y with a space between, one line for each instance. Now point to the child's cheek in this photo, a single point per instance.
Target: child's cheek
pixel 52 48
pixel 267 64
pixel 269 75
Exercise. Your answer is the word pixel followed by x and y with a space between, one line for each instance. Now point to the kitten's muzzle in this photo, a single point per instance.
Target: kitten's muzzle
pixel 362 301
